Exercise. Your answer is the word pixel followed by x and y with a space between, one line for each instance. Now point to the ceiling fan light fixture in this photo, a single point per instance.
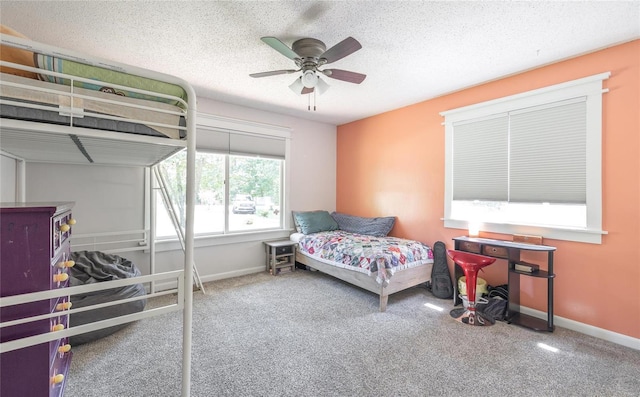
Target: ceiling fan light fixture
pixel 297 86
pixel 321 87
pixel 309 79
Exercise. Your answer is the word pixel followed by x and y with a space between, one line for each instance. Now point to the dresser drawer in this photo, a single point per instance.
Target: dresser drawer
pixel 61 232
pixel 58 323
pixel 59 273
pixel 58 373
pixel 60 304
pixel 58 347
pixel 470 247
pixel 498 252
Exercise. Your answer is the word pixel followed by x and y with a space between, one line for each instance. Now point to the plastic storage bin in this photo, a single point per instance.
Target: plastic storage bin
pixel 481 286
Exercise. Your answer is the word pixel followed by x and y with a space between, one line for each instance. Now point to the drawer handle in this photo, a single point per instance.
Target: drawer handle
pixel 64 349
pixel 71 221
pixel 65 264
pixel 64 228
pixel 57 379
pixel 60 277
pixel 64 306
pixel 57 327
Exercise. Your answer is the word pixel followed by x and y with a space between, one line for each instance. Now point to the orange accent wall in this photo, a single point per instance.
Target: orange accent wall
pixel 393 164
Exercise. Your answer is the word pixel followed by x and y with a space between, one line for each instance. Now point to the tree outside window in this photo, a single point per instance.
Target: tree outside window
pixel 254 195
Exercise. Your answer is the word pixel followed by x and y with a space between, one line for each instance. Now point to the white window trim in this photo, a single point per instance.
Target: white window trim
pixel 219 122
pixel 589 86
pixel 211 121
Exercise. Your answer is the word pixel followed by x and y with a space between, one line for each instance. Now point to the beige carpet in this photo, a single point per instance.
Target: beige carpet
pixel 307 334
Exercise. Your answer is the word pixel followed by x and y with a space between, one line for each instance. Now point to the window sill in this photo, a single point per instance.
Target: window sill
pixel 590 236
pixel 172 244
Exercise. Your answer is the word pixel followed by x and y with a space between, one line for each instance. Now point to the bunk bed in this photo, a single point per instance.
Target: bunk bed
pixel 70 108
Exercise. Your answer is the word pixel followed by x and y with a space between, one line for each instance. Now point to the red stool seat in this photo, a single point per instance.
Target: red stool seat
pixel 470 264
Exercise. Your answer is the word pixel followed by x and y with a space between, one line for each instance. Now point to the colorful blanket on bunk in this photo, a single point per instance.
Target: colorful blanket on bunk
pixel 382 256
pixel 107 77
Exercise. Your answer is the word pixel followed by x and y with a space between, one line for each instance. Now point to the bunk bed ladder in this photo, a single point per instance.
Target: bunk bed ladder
pixel 168 204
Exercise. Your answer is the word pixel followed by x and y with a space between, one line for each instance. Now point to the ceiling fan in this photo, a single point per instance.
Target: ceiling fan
pixel 309 55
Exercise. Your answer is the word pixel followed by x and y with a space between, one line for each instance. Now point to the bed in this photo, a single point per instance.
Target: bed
pixel 41 95
pixel 61 106
pixel 43 101
pixel 359 251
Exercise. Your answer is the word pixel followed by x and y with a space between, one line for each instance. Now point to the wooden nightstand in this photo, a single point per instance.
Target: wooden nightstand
pixel 280 254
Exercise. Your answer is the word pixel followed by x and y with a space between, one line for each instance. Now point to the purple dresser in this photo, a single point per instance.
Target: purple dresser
pixel 34 252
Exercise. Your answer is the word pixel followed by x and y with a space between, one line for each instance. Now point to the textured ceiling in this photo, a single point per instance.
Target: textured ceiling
pixel 411 50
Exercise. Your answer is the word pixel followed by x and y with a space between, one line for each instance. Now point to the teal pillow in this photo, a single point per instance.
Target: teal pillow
pixel 308 222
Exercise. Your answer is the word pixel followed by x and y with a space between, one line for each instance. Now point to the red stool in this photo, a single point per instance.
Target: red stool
pixel 470 264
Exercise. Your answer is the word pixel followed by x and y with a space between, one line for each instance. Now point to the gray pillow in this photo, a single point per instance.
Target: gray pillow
pixel 308 222
pixel 379 227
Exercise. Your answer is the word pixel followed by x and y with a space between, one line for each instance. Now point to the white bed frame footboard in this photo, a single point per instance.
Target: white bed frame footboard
pixel 401 280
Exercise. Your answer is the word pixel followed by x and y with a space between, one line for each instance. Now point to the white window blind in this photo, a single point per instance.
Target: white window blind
pixel 240 143
pixel 531 155
pixel 480 168
pixel 241 137
pixel 547 161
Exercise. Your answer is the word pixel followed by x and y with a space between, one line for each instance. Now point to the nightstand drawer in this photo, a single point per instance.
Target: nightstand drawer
pixel 284 250
pixel 499 252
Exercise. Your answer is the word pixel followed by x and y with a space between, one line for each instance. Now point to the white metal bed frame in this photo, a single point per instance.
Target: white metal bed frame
pixel 18 133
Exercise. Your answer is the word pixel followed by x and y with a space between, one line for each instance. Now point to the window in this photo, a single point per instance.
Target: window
pixel 239 176
pixel 529 163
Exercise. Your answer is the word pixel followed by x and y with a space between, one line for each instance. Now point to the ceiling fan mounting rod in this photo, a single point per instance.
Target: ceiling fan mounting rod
pixel 308 64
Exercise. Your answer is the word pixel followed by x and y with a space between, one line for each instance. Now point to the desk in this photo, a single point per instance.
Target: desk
pixel 510 251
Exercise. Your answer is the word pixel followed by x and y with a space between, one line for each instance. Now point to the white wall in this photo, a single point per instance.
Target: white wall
pixel 111 198
pixel 313 153
pixel 7 179
pixel 107 198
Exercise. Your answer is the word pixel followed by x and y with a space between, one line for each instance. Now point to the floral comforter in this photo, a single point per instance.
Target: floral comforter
pixel 382 256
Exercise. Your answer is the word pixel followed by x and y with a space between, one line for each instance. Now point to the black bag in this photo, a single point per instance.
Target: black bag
pixel 441 286
pixel 497 302
pixel 501 291
pixel 495 307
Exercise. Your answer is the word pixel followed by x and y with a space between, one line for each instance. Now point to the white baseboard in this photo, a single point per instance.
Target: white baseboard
pixel 213 277
pixel 235 273
pixel 586 329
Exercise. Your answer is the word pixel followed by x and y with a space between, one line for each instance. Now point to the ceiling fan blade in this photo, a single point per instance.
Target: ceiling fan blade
pixel 306 90
pixel 341 50
pixel 345 75
pixel 273 73
pixel 280 47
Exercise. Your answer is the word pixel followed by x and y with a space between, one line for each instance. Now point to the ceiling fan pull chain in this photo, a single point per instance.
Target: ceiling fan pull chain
pixel 309 102
pixel 314 100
